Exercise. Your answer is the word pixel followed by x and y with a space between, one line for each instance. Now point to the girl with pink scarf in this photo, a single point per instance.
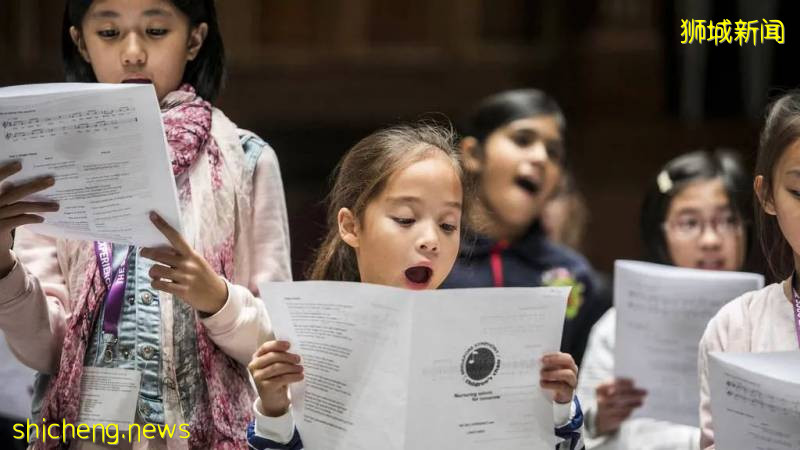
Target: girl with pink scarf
pixel 188 317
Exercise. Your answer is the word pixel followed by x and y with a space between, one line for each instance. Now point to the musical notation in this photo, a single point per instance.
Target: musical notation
pixel 662 312
pixel 76 122
pixel 777 405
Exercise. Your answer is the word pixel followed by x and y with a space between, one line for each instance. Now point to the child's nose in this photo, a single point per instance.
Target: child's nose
pixel 539 152
pixel 429 241
pixel 710 237
pixel 429 247
pixel 133 52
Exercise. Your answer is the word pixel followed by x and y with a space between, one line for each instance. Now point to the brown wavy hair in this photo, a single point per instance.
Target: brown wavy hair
pixel 361 176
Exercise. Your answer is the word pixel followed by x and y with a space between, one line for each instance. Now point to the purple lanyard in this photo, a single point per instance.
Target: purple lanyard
pixel 115 282
pixel 796 308
pixel 796 311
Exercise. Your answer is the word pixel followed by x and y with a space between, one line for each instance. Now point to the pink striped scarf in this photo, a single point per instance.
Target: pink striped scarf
pixel 219 417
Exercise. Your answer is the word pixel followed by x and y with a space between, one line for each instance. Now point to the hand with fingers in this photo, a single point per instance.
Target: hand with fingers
pixel 15 212
pixel 184 273
pixel 559 375
pixel 616 400
pixel 273 369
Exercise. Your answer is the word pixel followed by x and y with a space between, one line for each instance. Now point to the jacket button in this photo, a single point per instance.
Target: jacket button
pixel 147 352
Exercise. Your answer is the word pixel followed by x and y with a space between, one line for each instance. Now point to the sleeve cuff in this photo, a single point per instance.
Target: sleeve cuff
pixel 563 413
pixel 13 283
pixel 278 429
pixel 227 317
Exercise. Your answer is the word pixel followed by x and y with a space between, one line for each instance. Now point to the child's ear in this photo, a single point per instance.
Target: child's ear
pixel 80 44
pixel 348 227
pixel 470 147
pixel 197 36
pixel 764 197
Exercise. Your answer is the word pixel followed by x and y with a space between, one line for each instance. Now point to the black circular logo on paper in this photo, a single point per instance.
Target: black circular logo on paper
pixel 480 364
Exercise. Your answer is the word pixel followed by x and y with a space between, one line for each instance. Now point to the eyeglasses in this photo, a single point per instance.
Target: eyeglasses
pixel 690 227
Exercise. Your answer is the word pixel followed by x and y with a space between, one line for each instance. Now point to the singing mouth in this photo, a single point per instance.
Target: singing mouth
pixel 419 276
pixel 711 264
pixel 138 81
pixel 528 184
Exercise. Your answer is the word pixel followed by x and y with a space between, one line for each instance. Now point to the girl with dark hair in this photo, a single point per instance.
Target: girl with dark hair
pixel 513 149
pixel 696 214
pixel 663 224
pixel 394 219
pixel 767 320
pixel 185 317
pixel 189 54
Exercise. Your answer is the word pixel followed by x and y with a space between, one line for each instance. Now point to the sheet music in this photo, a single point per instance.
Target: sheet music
pixel 81 121
pixel 106 148
pixel 397 369
pixel 662 312
pixel 755 400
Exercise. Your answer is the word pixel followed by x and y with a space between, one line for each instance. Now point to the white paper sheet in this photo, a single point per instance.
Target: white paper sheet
pixel 662 312
pixel 755 400
pixel 105 146
pixel 397 369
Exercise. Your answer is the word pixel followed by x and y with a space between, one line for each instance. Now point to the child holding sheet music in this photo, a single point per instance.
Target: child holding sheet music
pixel 185 318
pixel 766 320
pixel 394 219
pixel 695 214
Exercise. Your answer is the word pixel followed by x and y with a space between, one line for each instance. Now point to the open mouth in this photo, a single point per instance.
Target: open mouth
pixel 419 276
pixel 138 81
pixel 711 264
pixel 527 184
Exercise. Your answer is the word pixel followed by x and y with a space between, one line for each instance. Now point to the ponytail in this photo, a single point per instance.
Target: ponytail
pixel 334 261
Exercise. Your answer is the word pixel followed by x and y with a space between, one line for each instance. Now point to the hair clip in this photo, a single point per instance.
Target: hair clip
pixel 664 182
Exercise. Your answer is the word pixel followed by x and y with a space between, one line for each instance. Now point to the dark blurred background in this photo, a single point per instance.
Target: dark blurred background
pixel 314 76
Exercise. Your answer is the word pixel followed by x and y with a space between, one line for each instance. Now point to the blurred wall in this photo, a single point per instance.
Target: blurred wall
pixel 313 77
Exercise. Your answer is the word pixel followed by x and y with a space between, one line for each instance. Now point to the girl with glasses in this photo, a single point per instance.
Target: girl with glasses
pixel 696 215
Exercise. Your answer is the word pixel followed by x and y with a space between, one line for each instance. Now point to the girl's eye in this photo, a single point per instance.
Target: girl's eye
pixel 448 228
pixel 157 31
pixel 107 34
pixel 555 151
pixel 727 222
pixel 795 193
pixel 523 141
pixel 403 221
pixel 688 224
